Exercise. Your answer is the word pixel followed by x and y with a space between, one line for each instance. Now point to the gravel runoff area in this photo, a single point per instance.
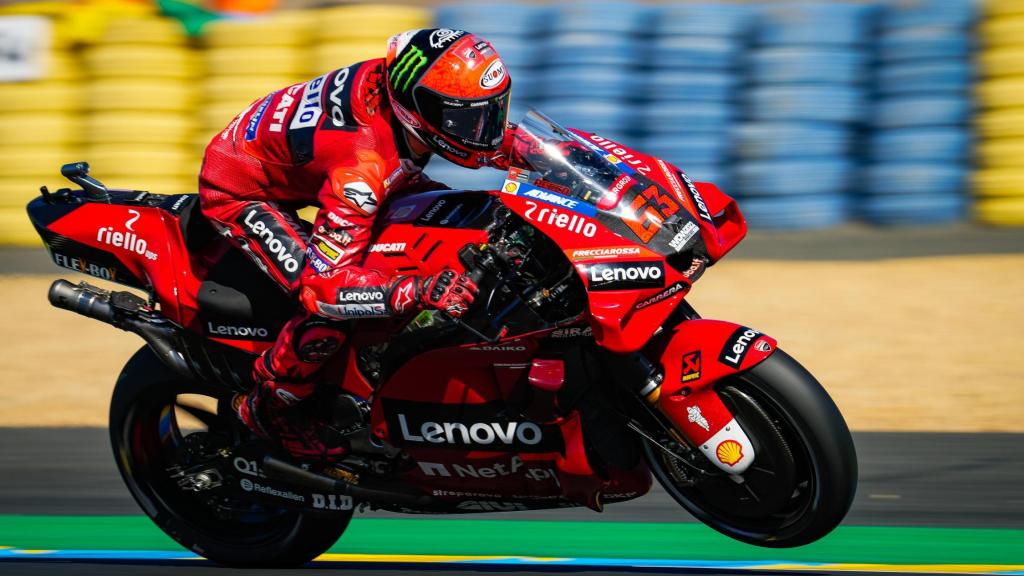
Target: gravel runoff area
pixel 909 329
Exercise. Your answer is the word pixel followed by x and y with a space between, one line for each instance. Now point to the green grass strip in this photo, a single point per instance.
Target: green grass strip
pixel 857 544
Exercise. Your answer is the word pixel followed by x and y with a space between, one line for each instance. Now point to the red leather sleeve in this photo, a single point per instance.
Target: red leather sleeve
pixel 335 284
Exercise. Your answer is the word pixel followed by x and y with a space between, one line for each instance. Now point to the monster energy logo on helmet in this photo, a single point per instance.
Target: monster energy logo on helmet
pixel 406 68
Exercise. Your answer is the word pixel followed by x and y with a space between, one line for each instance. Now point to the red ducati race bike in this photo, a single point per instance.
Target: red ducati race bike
pixel 578 374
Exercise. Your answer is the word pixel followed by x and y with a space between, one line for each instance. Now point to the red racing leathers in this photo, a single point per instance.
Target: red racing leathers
pixel 332 142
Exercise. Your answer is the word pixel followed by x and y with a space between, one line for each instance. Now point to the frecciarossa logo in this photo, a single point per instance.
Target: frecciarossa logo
pixel 626 275
pixel 467 427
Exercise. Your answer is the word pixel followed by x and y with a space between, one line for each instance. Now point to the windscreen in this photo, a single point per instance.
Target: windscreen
pixel 548 156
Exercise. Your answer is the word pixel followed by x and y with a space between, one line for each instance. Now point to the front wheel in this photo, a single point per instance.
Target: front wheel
pixel 147 437
pixel 804 475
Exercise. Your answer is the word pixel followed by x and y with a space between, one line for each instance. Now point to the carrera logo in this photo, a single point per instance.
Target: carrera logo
pixel 574 223
pixel 737 346
pixel 237 332
pixel 493 75
pixel 128 240
pixel 388 247
pixel 625 275
pixel 662 296
pixel 467 426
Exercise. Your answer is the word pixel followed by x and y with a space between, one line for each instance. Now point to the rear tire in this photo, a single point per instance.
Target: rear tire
pixel 144 435
pixel 804 474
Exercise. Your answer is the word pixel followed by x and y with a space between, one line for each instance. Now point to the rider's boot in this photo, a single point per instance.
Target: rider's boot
pixel 270 410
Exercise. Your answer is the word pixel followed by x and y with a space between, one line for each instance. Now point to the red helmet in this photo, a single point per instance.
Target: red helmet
pixel 450 89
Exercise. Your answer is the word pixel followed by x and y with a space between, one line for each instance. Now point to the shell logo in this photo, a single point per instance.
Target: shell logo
pixel 729 452
pixel 511 187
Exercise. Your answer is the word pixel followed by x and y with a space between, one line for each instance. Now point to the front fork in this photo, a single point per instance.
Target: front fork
pixel 686 363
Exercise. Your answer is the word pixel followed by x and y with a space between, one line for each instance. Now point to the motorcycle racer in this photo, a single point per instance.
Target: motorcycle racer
pixel 345 142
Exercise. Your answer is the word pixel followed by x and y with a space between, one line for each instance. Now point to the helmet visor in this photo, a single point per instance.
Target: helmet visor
pixel 478 124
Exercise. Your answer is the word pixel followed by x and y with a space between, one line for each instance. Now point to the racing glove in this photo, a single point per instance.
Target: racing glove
pixel 446 291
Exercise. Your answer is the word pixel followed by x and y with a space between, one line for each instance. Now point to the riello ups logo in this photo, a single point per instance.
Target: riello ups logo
pixel 467 427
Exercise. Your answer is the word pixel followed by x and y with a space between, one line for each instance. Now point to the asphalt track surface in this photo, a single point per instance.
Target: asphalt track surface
pixel 906 479
pixel 924 479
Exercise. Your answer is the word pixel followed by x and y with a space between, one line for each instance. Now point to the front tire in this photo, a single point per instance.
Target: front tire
pixel 145 436
pixel 804 475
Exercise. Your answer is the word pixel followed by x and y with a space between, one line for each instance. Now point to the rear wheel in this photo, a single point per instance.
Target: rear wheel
pixel 804 475
pixel 147 418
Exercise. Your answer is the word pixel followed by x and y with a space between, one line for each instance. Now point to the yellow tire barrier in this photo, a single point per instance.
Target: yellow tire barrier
pixel 281 29
pixel 327 57
pixel 214 119
pixel 156 184
pixel 1002 61
pixel 1002 123
pixel 999 182
pixel 273 61
pixel 30 161
pixel 140 161
pixel 348 23
pixel 16 229
pixel 40 96
pixel 1004 7
pixel 1001 92
pixel 1002 31
pixel 139 95
pixel 62 66
pixel 16 193
pixel 1001 153
pixel 240 91
pixel 165 31
pixel 40 129
pixel 140 128
pixel 1001 211
pixel 142 61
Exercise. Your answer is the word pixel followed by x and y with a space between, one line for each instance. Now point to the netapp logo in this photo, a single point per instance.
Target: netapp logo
pixel 626 275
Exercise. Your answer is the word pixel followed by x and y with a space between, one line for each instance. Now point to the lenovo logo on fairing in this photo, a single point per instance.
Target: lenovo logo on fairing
pixel 625 275
pixel 478 434
pixel 236 331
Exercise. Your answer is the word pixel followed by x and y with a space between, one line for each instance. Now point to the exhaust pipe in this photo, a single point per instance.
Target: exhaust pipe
pixel 126 311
